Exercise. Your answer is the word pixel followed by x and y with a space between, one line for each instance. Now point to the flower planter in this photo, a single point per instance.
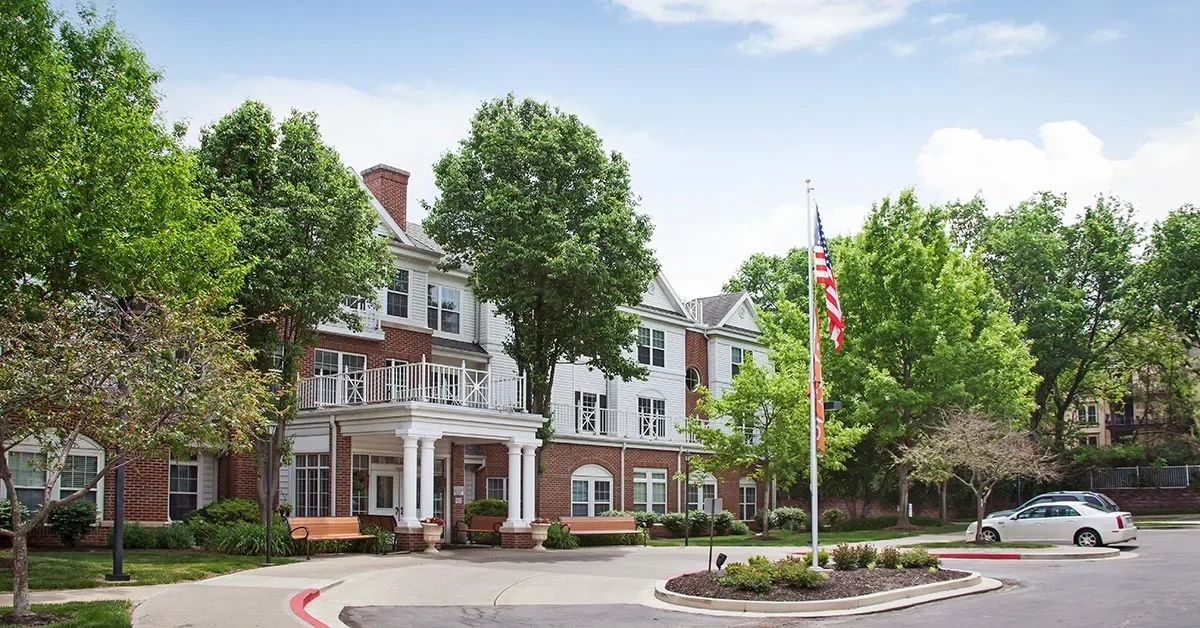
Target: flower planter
pixel 540 532
pixel 432 533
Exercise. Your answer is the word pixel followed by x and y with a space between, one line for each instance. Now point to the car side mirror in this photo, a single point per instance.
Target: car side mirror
pixel 1013 517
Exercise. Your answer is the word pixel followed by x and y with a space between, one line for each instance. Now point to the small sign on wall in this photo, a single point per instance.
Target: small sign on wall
pixel 458 500
pixel 459 491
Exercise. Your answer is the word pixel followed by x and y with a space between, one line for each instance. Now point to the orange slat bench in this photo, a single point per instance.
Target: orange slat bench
pixel 481 524
pixel 589 526
pixel 311 529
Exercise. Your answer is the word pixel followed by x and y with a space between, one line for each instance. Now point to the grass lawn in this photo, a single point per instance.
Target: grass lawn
pixel 1151 523
pixel 968 545
pixel 86 569
pixel 803 539
pixel 114 614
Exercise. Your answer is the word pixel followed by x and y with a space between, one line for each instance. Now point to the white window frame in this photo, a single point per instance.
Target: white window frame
pixel 654 341
pixel 84 447
pixel 701 490
pixel 648 480
pixel 737 357
pixel 357 304
pixel 1091 414
pixel 435 306
pixel 652 417
pixel 174 462
pixel 362 495
pixel 341 390
pixel 303 489
pixel 743 486
pixel 592 476
pixel 402 295
pixel 503 484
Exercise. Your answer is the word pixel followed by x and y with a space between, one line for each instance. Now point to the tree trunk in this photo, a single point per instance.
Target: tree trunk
pixel 20 574
pixel 942 490
pixel 980 504
pixel 902 517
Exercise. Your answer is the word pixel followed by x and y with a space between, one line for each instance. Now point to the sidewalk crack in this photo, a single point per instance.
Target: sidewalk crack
pixel 496 601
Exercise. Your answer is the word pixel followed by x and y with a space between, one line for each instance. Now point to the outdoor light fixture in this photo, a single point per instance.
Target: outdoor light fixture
pixel 721 565
pixel 833 405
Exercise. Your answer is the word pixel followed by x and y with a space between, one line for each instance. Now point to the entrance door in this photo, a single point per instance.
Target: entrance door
pixel 384 494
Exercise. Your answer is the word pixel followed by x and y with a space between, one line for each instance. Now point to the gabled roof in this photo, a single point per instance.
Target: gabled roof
pixel 715 309
pixel 388 222
pixel 421 240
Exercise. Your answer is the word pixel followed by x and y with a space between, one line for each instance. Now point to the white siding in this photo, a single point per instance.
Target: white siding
pixel 417 296
pixel 743 318
pixel 208 479
pixel 466 317
pixel 656 296
pixel 310 438
pixel 570 378
pixel 285 484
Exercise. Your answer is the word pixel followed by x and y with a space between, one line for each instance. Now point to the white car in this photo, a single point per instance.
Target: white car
pixel 1059 522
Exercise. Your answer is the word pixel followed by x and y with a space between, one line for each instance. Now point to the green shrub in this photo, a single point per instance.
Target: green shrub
pixel 642 518
pixel 231 510
pixel 384 538
pixel 557 538
pixel 250 539
pixel 486 508
pixel 759 562
pixel 740 528
pixel 600 540
pixel 867 554
pixel 919 558
pixel 845 557
pixel 137 536
pixel 797 574
pixel 889 558
pixel 72 521
pixel 822 558
pixel 832 516
pixel 788 518
pixel 6 513
pixel 879 523
pixel 749 577
pixel 176 536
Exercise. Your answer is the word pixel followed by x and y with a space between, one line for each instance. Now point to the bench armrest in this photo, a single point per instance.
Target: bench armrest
pixel 566 527
pixel 293 530
pixel 496 527
pixel 462 525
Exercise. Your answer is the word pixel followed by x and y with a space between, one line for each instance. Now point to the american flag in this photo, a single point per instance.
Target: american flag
pixel 824 275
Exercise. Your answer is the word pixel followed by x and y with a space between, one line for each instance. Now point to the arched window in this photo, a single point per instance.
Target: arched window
pixel 692 378
pixel 591 491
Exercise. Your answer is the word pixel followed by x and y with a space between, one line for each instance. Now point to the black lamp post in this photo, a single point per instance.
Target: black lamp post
pixel 274 387
pixel 687 489
pixel 118 573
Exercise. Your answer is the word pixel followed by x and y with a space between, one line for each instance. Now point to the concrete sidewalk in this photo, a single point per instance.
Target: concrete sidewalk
pixel 98 594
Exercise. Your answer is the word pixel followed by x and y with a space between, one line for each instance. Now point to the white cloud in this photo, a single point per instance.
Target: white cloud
pixel 942 18
pixel 783 25
pixel 990 41
pixel 1159 176
pixel 1108 35
pixel 903 48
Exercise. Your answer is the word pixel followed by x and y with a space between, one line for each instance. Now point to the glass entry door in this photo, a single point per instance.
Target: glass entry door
pixel 385 491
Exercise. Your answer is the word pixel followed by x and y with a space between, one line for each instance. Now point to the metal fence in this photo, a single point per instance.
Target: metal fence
pixel 1144 477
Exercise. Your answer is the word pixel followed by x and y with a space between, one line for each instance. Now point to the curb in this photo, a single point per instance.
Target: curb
pixel 302 599
pixel 1106 554
pixel 862 604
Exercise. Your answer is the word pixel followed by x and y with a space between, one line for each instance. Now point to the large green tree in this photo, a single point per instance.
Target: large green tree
pixel 546 222
pixel 925 330
pixel 307 241
pixel 769 278
pixel 1069 284
pixel 1173 270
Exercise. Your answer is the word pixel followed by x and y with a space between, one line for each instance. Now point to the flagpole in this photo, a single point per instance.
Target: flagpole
pixel 812 384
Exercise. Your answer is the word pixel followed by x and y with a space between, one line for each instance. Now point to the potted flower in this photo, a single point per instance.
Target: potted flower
pixel 541 529
pixel 431 530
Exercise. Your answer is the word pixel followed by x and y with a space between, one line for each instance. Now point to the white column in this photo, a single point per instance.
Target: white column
pixel 527 482
pixel 427 476
pixel 410 482
pixel 514 486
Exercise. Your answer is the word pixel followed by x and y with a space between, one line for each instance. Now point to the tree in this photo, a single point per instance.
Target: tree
pixel 761 426
pixel 1069 285
pixel 979 451
pixel 139 377
pixel 307 240
pixel 545 221
pixel 1172 272
pixel 925 330
pixel 768 278
pixel 1152 369
pixel 94 192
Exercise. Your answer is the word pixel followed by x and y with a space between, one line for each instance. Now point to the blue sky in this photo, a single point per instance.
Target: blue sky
pixel 724 107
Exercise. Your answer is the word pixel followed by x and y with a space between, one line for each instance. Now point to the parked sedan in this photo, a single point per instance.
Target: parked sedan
pixel 1099 500
pixel 1059 522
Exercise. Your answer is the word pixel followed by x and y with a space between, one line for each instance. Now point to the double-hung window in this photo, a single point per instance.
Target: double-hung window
pixel 497 488
pixel 652 417
pixel 1088 414
pixel 183 488
pixel 698 493
pixel 29 477
pixel 397 294
pixel 312 485
pixel 738 357
pixel 747 500
pixel 650 490
pixel 445 304
pixel 652 347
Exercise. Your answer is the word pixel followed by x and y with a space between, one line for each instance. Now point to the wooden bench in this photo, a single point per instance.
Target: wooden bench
pixel 311 529
pixel 588 526
pixel 482 524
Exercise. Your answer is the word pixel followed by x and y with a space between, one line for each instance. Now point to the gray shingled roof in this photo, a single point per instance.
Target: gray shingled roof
pixel 420 238
pixel 459 345
pixel 713 309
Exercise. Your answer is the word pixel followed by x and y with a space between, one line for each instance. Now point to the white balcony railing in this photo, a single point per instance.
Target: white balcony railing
pixel 581 420
pixel 423 381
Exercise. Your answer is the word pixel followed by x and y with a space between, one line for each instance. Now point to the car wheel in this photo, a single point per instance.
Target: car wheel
pixel 1087 537
pixel 990 536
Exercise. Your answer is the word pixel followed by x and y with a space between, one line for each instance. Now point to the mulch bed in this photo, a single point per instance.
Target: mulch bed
pixel 839 584
pixel 37 619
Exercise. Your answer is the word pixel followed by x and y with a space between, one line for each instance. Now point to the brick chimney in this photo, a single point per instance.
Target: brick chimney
pixel 390 187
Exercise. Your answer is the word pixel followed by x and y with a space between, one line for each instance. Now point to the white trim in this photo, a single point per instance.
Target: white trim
pixel 193 463
pixel 591 474
pixel 745 483
pixel 84 446
pixel 650 478
pixel 740 302
pixel 487 487
pixel 673 296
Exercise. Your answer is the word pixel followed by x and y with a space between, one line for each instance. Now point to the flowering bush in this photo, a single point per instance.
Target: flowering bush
pixel 434 520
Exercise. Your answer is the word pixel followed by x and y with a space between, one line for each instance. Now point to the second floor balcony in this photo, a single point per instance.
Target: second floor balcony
pixel 423 382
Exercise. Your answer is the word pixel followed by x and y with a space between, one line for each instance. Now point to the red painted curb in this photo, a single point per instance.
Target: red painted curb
pixel 302 599
pixel 978 555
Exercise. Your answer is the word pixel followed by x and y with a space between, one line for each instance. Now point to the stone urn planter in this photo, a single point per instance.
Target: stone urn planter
pixel 431 530
pixel 541 529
